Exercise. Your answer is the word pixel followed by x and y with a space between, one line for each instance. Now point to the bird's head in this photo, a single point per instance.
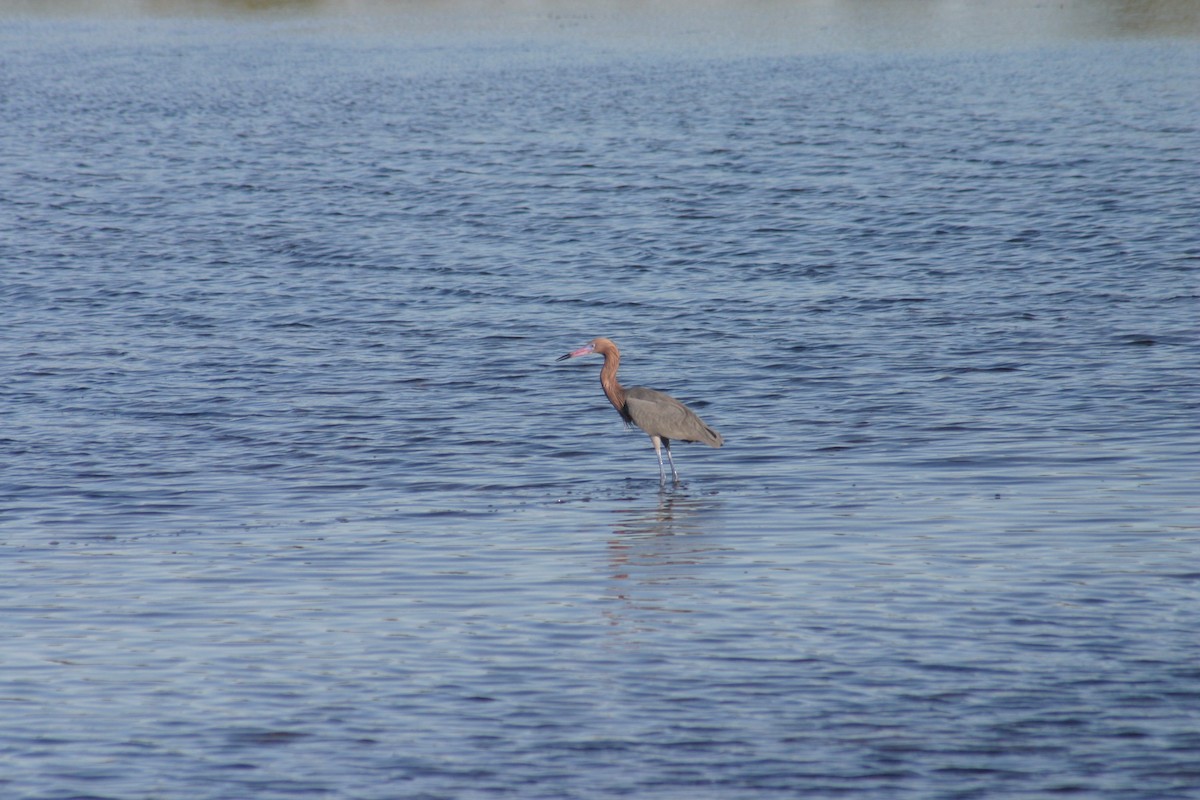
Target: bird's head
pixel 599 345
pixel 587 349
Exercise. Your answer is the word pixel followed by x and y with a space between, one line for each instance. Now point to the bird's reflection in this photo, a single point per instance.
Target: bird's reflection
pixel 655 556
pixel 675 514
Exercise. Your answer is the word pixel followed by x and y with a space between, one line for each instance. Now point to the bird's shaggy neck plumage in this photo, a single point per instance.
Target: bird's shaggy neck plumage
pixel 613 389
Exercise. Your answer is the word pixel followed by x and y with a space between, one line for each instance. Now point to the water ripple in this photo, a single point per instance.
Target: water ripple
pixel 294 498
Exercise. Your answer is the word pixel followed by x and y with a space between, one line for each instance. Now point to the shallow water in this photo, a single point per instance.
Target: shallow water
pixel 295 501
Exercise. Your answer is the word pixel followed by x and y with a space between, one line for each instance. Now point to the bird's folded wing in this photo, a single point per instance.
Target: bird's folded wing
pixel 660 414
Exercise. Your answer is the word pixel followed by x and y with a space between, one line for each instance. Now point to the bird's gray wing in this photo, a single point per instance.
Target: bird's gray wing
pixel 659 414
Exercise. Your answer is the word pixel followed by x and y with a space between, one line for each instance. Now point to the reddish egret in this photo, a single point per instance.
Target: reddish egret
pixel 661 416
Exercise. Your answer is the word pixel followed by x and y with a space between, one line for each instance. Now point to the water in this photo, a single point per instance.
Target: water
pixel 294 500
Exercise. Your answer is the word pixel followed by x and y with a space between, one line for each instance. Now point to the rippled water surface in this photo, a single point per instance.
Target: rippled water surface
pixel 296 502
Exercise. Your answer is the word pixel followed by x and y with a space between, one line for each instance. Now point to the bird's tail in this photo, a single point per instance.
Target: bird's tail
pixel 712 438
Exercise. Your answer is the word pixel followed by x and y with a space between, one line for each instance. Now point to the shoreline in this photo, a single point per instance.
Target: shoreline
pixel 804 26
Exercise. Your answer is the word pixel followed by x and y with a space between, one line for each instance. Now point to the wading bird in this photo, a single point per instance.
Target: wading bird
pixel 661 416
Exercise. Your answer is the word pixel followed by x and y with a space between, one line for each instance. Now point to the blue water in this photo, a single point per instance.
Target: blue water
pixel 295 501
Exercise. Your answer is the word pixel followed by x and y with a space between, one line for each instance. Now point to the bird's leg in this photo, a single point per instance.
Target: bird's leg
pixel 667 444
pixel 662 475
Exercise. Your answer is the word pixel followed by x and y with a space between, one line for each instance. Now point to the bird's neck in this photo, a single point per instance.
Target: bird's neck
pixel 612 387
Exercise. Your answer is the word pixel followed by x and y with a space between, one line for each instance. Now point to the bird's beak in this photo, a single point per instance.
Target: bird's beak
pixel 583 351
